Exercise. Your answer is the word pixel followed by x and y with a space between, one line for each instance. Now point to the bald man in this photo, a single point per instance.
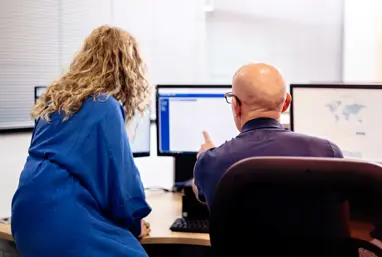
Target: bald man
pixel 258 98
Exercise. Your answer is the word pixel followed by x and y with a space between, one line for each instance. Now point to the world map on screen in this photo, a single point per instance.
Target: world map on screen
pixel 345 111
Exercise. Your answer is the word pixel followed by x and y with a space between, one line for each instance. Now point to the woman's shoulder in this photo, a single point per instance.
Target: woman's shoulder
pixel 103 104
pixel 100 109
pixel 104 100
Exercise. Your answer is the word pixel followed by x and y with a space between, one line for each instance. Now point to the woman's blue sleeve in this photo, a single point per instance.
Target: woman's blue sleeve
pixel 127 204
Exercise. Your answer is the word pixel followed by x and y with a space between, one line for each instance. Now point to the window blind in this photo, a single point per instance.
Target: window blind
pixel 78 19
pixel 38 40
pixel 29 54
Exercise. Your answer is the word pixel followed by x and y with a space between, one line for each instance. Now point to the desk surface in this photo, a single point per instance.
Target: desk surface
pixel 167 207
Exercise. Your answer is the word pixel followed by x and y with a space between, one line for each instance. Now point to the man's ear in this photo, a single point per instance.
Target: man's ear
pixel 236 107
pixel 287 102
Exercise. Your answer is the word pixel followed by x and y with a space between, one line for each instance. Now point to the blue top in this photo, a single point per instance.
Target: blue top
pixel 80 193
pixel 259 137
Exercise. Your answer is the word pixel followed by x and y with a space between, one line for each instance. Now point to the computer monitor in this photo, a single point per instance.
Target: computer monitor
pixel 184 111
pixel 38 91
pixel 347 115
pixel 138 129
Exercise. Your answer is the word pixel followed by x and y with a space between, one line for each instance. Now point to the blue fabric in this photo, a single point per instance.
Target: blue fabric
pixel 259 137
pixel 80 193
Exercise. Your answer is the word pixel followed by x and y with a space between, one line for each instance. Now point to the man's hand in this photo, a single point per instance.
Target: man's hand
pixel 207 143
pixel 145 229
pixel 196 191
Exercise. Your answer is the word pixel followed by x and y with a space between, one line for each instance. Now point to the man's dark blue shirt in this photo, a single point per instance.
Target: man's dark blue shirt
pixel 259 137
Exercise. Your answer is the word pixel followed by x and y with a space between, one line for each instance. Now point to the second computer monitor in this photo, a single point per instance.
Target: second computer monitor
pixel 138 131
pixel 184 112
pixel 347 115
pixel 38 91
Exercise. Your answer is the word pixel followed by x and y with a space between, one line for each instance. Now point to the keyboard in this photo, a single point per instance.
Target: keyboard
pixel 190 225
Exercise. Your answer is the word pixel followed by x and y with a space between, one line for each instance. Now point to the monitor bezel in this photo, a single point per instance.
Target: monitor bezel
pixel 141 154
pixel 159 86
pixel 328 85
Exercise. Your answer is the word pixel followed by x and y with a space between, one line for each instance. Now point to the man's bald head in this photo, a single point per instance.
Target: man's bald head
pixel 259 92
pixel 260 86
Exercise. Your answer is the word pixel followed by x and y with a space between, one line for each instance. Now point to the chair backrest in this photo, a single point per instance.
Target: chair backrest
pixel 292 203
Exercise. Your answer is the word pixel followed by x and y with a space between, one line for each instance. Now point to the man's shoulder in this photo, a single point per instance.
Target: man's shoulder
pixel 314 142
pixel 308 138
pixel 304 137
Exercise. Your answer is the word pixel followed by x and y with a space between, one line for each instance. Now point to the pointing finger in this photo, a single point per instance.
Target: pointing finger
pixel 206 137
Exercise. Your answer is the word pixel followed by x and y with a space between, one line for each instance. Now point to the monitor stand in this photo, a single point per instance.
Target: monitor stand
pixel 184 169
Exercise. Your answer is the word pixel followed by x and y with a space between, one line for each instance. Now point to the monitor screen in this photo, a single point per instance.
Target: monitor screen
pixel 343 114
pixel 38 91
pixel 138 130
pixel 183 112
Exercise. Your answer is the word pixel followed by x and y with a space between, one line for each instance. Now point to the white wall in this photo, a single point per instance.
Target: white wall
pixel 301 37
pixel 171 34
pixel 185 44
pixel 360 47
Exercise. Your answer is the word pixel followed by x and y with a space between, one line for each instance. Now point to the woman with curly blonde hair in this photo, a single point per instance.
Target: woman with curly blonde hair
pixel 80 193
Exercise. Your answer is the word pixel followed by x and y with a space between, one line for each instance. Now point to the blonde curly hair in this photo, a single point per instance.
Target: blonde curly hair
pixel 108 63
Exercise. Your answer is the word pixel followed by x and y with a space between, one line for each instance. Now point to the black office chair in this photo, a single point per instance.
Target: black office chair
pixel 287 206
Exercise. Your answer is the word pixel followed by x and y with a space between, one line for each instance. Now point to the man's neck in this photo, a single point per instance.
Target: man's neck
pixel 255 115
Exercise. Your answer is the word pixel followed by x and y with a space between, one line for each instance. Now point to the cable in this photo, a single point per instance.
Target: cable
pixel 176 188
pixel 159 189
